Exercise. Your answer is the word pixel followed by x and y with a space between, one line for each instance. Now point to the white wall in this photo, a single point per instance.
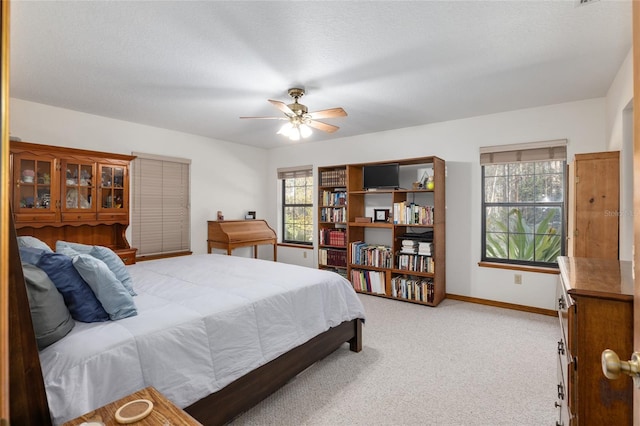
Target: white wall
pixel 582 123
pixel 224 176
pixel 619 107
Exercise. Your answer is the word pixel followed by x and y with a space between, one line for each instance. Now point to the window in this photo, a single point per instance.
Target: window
pixel 297 205
pixel 160 205
pixel 523 203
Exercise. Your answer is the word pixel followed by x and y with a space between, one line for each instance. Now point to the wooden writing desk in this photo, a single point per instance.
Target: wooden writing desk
pixel 230 234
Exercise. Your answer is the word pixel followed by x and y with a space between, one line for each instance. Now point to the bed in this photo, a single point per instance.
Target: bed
pixel 214 333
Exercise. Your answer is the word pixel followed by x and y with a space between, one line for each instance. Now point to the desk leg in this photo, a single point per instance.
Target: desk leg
pixel 255 252
pixel 228 251
pixel 275 252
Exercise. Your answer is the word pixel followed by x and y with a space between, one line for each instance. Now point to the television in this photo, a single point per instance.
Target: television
pixel 381 176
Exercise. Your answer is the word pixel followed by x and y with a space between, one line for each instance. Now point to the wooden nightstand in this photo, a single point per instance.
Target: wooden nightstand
pixel 164 412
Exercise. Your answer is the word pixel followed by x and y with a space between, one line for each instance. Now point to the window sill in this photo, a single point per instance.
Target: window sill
pixel 538 269
pixel 300 246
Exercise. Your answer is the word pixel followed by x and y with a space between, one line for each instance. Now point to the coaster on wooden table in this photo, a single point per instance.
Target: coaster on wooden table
pixel 134 411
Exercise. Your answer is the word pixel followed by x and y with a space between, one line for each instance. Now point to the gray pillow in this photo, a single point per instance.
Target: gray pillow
pixel 50 316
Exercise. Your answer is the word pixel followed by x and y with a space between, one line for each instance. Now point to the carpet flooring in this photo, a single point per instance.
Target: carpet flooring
pixel 457 364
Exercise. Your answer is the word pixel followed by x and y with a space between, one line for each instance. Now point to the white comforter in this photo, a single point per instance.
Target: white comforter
pixel 203 321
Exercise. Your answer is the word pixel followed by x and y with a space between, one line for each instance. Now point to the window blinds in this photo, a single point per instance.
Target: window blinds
pixel 295 172
pixel 534 151
pixel 160 205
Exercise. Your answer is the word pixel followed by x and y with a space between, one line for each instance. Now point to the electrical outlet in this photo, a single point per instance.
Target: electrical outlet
pixel 304 254
pixel 517 278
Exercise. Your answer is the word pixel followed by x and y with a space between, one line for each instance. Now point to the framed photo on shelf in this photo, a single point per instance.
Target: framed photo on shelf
pixel 380 215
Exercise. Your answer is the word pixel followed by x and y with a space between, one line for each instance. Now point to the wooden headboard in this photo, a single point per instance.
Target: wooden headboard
pixel 28 400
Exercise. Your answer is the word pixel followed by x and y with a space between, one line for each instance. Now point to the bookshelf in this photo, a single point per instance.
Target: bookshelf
pixel 332 219
pixel 402 258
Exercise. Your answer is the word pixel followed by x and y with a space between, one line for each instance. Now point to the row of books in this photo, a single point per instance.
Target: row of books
pixel 416 247
pixel 421 289
pixel 333 198
pixel 370 254
pixel 333 177
pixel 416 263
pixel 371 281
pixel 333 237
pixel 333 214
pixel 412 214
pixel 331 257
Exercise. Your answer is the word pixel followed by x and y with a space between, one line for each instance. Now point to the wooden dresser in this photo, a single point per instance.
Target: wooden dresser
pixel 595 308
pixel 231 234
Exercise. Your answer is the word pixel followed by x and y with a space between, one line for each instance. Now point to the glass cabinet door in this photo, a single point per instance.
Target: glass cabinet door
pixel 32 177
pixel 112 187
pixel 78 186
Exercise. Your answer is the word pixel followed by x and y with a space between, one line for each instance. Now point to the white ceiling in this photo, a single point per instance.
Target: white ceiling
pixel 197 67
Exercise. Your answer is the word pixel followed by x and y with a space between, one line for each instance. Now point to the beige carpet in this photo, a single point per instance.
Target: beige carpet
pixel 457 364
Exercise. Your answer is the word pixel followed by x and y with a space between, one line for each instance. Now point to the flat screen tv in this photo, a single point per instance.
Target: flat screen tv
pixel 381 176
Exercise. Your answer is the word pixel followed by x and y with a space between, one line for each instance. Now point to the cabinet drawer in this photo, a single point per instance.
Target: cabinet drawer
pixel 128 256
pixel 35 217
pixel 78 217
pixel 118 217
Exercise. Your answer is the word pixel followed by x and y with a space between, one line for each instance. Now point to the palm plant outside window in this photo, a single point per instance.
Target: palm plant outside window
pixel 297 207
pixel 523 210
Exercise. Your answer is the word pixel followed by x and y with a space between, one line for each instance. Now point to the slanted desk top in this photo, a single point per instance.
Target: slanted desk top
pixel 230 234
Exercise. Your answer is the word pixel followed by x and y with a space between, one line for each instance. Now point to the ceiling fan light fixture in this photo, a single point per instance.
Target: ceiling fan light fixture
pixel 294 134
pixel 305 131
pixel 286 129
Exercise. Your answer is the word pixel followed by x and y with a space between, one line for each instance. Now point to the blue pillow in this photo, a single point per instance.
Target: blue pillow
pixel 105 254
pixel 116 265
pixel 115 299
pixel 49 315
pixel 31 255
pixel 29 241
pixel 82 303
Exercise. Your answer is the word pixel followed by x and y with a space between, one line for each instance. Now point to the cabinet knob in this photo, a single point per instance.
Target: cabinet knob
pixel 612 367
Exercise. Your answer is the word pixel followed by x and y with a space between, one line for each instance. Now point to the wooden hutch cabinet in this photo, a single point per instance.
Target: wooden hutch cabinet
pixel 71 194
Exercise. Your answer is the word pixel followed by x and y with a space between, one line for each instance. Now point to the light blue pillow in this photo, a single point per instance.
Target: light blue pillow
pixel 29 241
pixel 116 265
pixel 77 295
pixel 72 249
pixel 105 254
pixel 113 296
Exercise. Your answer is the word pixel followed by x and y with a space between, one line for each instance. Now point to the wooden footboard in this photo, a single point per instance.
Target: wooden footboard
pixel 239 396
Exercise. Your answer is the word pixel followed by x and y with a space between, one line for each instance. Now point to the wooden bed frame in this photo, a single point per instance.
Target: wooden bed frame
pixel 28 401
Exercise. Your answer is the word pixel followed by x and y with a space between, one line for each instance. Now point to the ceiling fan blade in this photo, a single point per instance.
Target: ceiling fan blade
pixel 330 128
pixel 328 113
pixel 282 107
pixel 268 118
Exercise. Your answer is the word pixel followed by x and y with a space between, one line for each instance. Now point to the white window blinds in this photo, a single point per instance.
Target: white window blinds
pixel 534 151
pixel 295 172
pixel 160 205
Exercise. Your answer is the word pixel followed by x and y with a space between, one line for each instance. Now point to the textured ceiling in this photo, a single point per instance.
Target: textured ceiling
pixel 197 66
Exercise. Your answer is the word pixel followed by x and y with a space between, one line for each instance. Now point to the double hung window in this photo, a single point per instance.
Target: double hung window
pixel 523 203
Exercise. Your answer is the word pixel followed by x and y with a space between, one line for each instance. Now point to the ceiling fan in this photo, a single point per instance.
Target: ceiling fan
pixel 299 120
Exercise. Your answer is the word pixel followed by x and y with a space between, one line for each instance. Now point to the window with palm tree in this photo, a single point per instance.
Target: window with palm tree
pixel 523 219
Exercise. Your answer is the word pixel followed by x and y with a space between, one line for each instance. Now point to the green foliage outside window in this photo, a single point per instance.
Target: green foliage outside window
pixel 297 210
pixel 523 209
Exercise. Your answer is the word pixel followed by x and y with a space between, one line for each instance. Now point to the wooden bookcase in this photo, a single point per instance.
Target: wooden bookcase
pixel 387 271
pixel 332 219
